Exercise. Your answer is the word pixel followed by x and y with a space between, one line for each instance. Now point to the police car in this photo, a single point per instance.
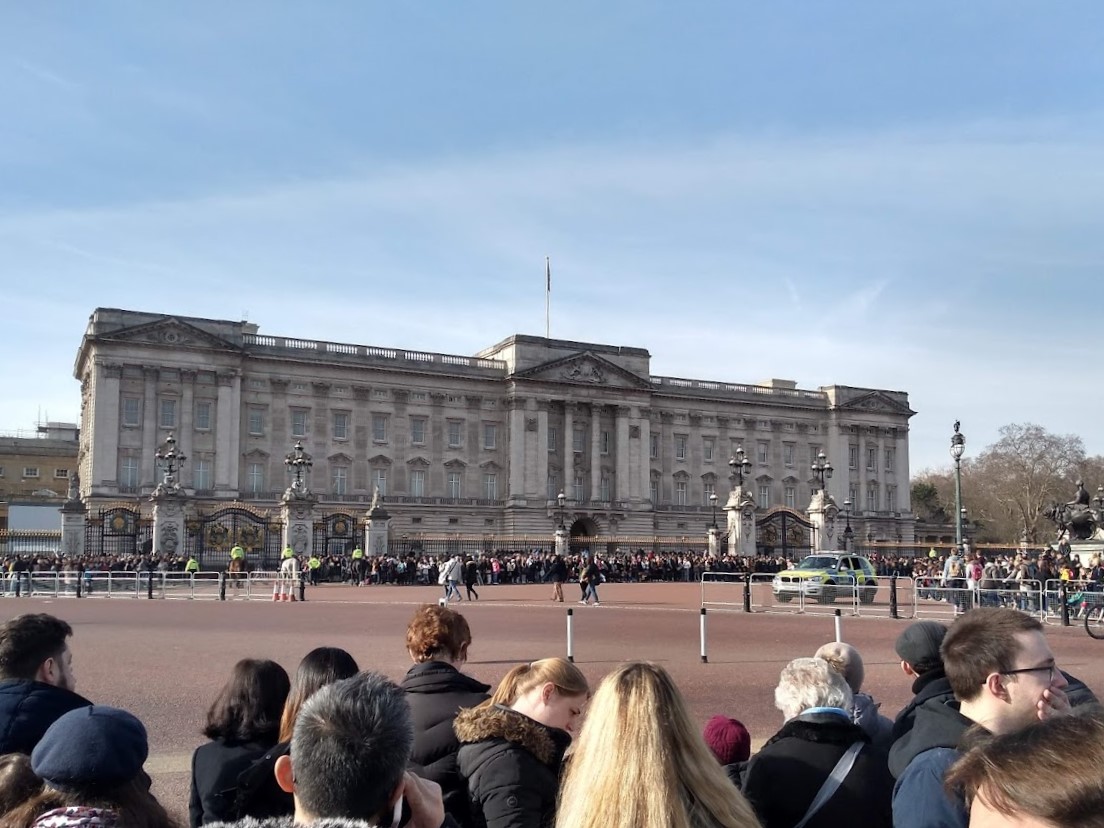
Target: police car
pixel 826 576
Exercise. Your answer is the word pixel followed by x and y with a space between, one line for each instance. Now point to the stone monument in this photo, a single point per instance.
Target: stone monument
pixel 73 515
pixel 822 513
pixel 298 503
pixel 379 525
pixel 168 501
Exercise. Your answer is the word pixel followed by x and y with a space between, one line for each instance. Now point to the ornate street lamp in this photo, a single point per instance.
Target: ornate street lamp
pixel 848 533
pixel 561 499
pixel 169 460
pixel 958 446
pixel 822 469
pixel 741 467
pixel 298 462
pixel 713 503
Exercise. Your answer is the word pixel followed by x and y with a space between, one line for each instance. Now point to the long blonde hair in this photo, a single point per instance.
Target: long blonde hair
pixel 640 762
pixel 565 676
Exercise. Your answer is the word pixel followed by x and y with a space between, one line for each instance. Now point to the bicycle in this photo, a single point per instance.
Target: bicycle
pixel 1094 621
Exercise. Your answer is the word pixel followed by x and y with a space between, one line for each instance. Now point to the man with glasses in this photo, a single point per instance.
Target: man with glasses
pixel 1004 679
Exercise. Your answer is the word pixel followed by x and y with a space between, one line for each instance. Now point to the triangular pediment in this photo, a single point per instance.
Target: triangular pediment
pixel 585 368
pixel 171 332
pixel 877 402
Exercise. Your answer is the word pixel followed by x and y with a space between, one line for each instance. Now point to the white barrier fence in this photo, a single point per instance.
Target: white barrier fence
pixel 189 586
pixel 896 596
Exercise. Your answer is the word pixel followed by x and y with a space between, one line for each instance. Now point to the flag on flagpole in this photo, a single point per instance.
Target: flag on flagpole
pixel 548 274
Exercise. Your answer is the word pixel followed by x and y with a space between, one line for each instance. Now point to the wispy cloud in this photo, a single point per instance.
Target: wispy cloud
pixel 863 259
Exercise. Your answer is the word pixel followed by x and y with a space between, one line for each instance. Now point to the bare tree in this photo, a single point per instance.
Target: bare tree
pixel 1017 477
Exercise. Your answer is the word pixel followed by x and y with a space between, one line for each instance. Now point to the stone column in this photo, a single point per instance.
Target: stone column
pixel 622 489
pixel 105 422
pixel 822 512
pixel 595 450
pixel 168 520
pixel 298 516
pixel 379 525
pixel 714 541
pixel 227 427
pixel 644 469
pixel 740 509
pixel 542 450
pixel 186 431
pixel 568 450
pixel 235 431
pixel 517 449
pixel 147 473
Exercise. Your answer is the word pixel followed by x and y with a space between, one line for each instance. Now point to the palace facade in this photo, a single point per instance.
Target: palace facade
pixel 477 444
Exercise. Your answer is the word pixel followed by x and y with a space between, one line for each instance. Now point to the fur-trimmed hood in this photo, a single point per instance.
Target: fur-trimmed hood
pixel 289 822
pixel 480 724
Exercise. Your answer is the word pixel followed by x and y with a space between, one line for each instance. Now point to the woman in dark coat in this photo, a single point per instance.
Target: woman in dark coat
pixel 242 724
pixel 258 795
pixel 512 745
pixel 782 780
pixel 437 639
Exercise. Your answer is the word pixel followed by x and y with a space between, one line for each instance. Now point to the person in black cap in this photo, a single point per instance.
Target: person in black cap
pixel 918 649
pixel 90 763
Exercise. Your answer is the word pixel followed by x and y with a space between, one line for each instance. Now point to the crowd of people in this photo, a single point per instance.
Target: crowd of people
pixel 334 745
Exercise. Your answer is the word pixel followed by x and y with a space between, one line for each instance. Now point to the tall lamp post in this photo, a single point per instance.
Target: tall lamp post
pixel 822 469
pixel 169 460
pixel 958 446
pixel 848 533
pixel 741 467
pixel 713 503
pixel 298 462
pixel 561 500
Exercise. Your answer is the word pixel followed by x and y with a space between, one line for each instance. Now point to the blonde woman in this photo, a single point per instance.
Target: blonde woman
pixel 512 745
pixel 641 762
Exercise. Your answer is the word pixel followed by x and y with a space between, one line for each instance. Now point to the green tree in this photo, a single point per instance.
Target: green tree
pixel 926 503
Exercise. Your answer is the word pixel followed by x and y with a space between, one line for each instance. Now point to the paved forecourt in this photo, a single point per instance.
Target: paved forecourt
pixel 165 660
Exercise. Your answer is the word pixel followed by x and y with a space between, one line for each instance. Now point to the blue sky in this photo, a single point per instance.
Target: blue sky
pixel 905 196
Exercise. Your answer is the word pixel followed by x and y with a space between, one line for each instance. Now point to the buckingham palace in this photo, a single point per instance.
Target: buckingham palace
pixel 480 444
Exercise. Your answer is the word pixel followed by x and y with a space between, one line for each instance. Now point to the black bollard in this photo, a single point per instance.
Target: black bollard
pixel 80 579
pixel 302 588
pixel 747 592
pixel 1065 605
pixel 149 584
pixel 893 596
pixel 222 586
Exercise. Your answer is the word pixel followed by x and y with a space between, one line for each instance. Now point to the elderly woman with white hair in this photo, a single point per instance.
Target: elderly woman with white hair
pixel 820 768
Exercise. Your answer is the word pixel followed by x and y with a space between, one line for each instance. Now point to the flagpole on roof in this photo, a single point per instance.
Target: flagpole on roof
pixel 547 296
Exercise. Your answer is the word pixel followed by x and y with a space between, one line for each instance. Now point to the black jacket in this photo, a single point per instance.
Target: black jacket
pixel 28 708
pixel 436 692
pixel 215 770
pixel 259 796
pixel 782 780
pixel 512 767
pixel 920 760
pixel 931 685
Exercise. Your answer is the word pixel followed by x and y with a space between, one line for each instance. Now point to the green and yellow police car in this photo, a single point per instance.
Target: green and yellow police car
pixel 825 576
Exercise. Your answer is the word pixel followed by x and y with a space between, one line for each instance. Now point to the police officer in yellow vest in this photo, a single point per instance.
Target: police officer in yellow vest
pixel 237 553
pixel 314 564
pixel 192 565
pixel 358 568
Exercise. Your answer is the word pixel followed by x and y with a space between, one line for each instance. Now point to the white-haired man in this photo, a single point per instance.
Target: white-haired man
pixel 784 778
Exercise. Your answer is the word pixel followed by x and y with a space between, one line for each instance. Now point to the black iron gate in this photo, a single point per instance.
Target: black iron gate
pixel 211 536
pixel 337 534
pixel 783 531
pixel 118 531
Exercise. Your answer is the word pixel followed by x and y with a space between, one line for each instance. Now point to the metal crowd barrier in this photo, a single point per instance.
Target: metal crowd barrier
pixel 891 597
pixel 212 586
